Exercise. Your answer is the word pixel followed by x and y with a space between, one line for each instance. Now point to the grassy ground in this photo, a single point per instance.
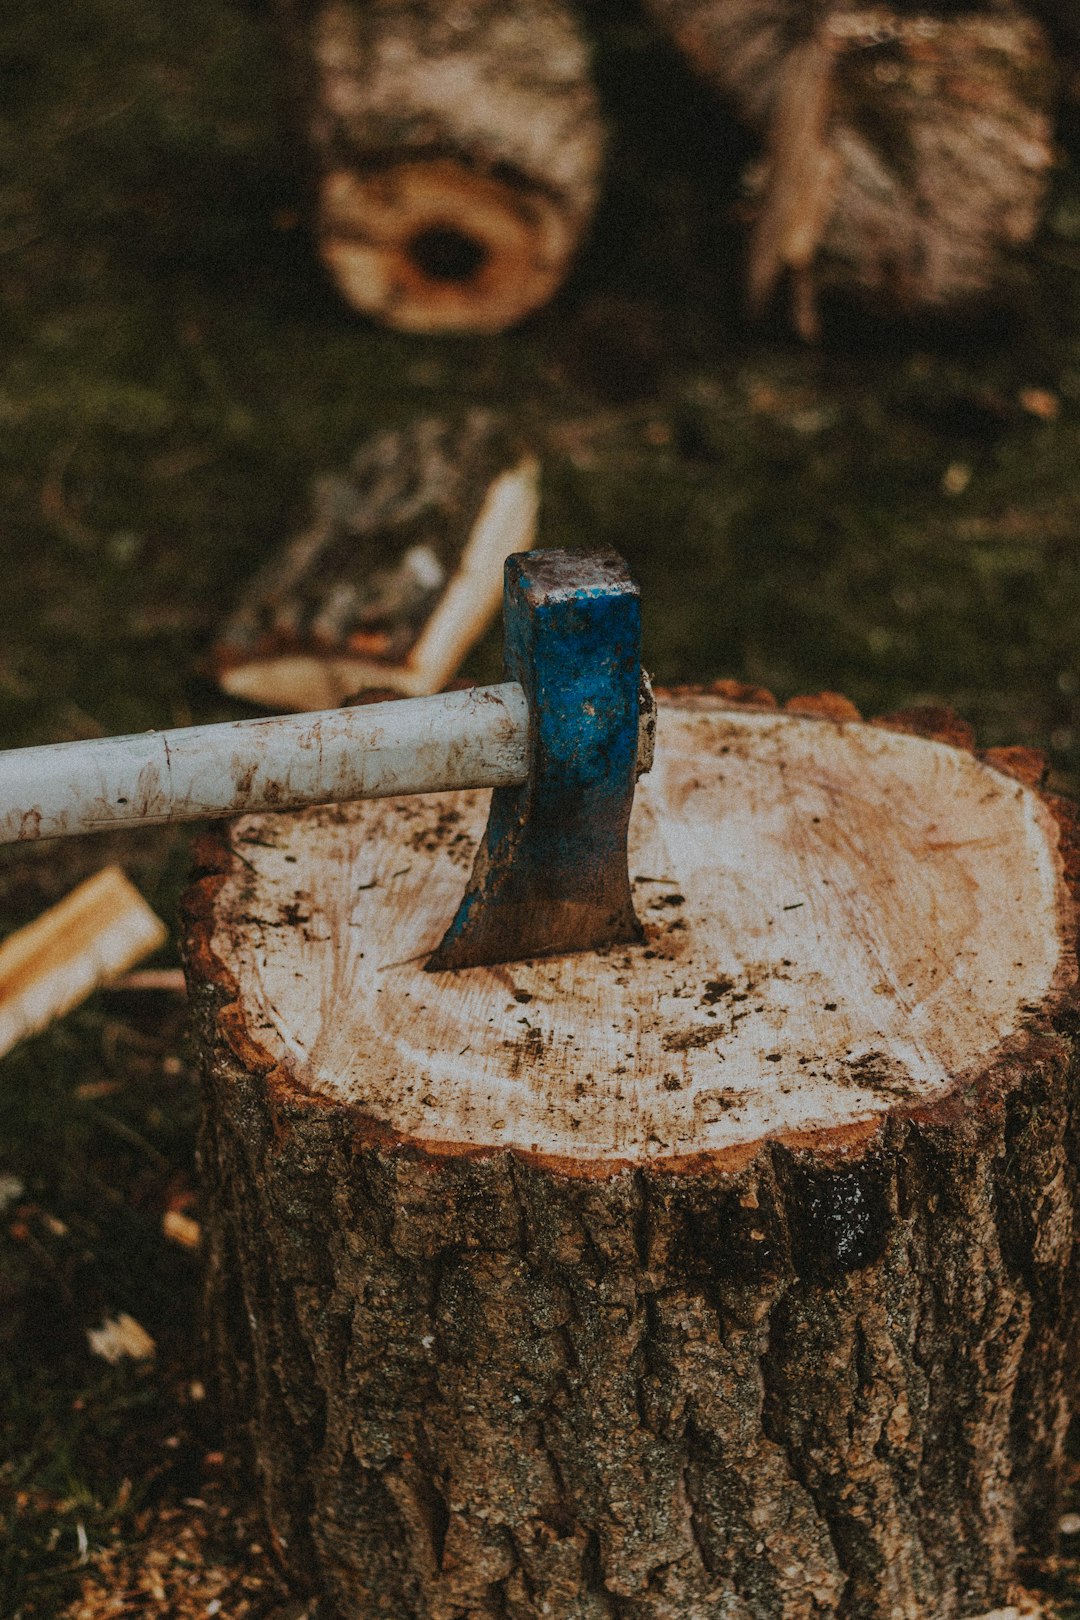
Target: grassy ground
pixel 896 515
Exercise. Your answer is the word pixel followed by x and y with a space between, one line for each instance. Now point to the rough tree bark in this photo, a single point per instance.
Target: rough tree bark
pixel 458 151
pixel 730 1275
pixel 908 146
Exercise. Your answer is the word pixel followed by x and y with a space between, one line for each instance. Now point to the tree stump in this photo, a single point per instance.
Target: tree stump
pixel 457 148
pixel 728 1275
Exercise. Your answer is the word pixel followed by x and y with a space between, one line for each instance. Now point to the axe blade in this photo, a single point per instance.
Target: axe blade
pixel 551 875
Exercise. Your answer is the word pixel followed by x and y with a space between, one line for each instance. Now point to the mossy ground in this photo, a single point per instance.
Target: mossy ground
pixel 895 515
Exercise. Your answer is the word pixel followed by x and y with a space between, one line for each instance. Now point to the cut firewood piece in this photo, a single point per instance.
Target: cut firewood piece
pixel 181 1229
pixel 121 1338
pixel 728 1274
pixel 93 935
pixel 458 153
pixel 908 148
pixel 398 575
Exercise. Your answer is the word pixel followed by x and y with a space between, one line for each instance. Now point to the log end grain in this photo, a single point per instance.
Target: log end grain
pixel 436 247
pixel 829 933
pixel 457 152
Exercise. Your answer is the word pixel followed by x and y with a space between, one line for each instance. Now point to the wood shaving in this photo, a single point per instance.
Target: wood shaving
pixel 180 1229
pixel 119 1338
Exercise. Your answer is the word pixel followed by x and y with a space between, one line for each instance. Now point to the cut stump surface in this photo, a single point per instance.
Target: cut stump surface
pixel 729 1274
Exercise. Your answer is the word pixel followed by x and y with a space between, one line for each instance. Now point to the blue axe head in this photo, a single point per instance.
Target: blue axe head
pixel 551 873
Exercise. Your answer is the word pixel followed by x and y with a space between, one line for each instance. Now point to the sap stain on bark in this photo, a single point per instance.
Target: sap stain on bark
pixel 839 1217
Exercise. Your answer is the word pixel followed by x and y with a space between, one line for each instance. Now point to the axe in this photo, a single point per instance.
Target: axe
pixel 561 741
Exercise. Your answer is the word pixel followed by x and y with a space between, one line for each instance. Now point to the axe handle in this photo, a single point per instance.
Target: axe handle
pixel 472 738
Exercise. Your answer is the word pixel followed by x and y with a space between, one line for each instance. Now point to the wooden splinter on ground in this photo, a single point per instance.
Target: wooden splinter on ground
pixel 90 938
pixel 457 149
pixel 728 1273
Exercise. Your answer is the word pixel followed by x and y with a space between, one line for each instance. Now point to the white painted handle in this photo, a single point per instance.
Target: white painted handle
pixel 473 738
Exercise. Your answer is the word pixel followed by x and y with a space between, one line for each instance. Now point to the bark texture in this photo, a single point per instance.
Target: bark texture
pixel 458 151
pixel 823 1374
pixel 907 147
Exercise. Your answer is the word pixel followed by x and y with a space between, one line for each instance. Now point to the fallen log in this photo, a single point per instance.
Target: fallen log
pixel 457 152
pixel 907 147
pixel 728 1274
